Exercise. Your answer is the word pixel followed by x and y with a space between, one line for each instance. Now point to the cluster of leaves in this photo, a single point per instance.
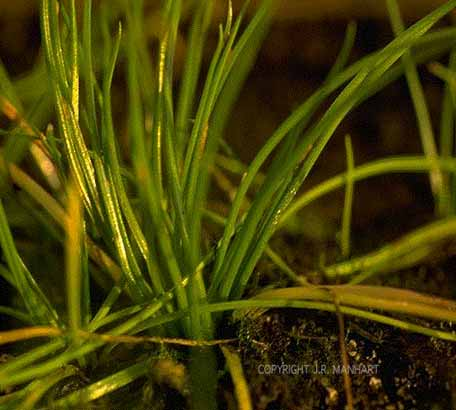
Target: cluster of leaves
pixel 136 221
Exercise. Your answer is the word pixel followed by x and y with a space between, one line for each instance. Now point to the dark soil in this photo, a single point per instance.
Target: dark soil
pixel 389 369
pixel 292 358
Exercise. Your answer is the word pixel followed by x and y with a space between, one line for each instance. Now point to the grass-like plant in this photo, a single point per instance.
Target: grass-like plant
pixel 134 223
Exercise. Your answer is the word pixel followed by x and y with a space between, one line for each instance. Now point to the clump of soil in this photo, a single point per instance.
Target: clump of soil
pixel 390 369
